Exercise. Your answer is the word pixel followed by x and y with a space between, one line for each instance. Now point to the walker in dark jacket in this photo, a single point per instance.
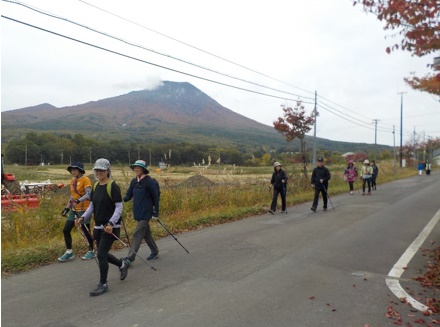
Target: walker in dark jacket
pixel 279 183
pixel 320 178
pixel 145 193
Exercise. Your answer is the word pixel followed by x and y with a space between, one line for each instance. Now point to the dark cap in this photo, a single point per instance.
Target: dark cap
pixel 76 165
pixel 320 159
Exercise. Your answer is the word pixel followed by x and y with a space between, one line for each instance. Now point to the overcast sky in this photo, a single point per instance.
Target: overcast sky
pixel 292 46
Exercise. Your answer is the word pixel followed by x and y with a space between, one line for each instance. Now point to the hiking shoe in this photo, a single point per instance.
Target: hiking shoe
pixel 369 193
pixel 130 262
pixel 99 290
pixel 363 193
pixel 89 255
pixel 325 209
pixel 313 209
pixel 283 211
pixel 271 211
pixel 124 269
pixel 351 192
pixel 66 257
pixel 153 256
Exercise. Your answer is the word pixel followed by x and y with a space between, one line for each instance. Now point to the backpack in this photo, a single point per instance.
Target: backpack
pixel 156 183
pixel 109 188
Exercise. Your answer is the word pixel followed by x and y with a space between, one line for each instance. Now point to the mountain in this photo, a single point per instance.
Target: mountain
pixel 172 112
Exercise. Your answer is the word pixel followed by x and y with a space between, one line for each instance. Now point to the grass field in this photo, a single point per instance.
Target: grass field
pixel 191 198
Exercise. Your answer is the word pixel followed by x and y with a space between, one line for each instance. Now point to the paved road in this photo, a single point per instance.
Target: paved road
pixel 283 270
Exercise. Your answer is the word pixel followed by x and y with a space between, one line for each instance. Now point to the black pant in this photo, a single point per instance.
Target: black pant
pixel 366 180
pixel 373 182
pixel 273 206
pixel 316 197
pixel 351 185
pixel 68 226
pixel 104 242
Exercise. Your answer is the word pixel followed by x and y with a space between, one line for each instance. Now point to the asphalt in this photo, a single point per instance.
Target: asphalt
pixel 300 269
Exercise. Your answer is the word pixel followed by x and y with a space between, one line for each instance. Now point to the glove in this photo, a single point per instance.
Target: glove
pixel 65 211
pixel 155 216
pixel 283 181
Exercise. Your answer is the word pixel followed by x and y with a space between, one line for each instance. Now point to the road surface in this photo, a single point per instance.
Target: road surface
pixel 300 269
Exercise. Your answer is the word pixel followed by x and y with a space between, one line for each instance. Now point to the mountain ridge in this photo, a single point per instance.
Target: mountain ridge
pixel 171 112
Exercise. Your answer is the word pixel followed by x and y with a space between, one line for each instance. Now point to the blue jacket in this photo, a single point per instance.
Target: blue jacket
pixel 145 194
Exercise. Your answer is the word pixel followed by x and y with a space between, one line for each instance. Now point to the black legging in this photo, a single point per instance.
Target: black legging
pixel 104 242
pixel 351 185
pixel 68 226
pixel 373 182
pixel 273 206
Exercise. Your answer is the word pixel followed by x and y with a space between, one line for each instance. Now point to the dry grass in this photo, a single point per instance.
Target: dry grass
pixel 34 237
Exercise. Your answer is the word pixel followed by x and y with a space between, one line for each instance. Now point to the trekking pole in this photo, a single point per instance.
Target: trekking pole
pixel 128 247
pixel 88 231
pixel 285 195
pixel 327 196
pixel 126 234
pixel 85 237
pixel 171 234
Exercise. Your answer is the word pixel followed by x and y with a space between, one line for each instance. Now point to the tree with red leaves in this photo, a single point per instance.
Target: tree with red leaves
pixel 418 22
pixel 295 124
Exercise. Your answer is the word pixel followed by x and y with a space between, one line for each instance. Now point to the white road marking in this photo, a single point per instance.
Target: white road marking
pixel 392 280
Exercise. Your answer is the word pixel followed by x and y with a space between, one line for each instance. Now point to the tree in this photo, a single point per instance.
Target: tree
pixel 418 22
pixel 295 124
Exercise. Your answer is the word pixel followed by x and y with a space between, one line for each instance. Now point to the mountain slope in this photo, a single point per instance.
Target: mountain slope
pixel 172 111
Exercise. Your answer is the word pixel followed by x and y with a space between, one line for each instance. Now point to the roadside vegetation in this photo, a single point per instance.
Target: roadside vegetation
pixel 191 198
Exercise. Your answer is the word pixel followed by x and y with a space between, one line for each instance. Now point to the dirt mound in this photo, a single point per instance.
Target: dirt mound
pixel 197 180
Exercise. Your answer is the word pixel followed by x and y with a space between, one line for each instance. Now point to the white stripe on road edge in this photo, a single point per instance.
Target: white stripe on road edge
pixel 398 269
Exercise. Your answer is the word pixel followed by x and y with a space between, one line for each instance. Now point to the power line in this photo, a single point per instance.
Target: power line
pixel 151 50
pixel 147 62
pixel 194 47
pixel 219 57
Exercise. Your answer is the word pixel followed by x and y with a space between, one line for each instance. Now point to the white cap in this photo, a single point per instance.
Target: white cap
pixel 102 164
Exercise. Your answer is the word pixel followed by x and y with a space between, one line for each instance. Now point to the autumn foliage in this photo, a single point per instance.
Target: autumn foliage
pixel 295 124
pixel 418 23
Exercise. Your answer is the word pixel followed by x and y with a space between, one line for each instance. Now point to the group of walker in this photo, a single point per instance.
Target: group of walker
pixel 104 201
pixel 369 173
pixel 319 182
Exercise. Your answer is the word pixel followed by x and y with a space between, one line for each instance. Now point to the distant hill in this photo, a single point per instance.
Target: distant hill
pixel 173 112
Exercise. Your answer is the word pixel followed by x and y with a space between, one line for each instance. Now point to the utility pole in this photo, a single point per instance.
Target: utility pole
pixel 401 126
pixel 375 138
pixel 62 154
pixel 414 140
pixel 424 148
pixel 394 151
pixel 314 128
